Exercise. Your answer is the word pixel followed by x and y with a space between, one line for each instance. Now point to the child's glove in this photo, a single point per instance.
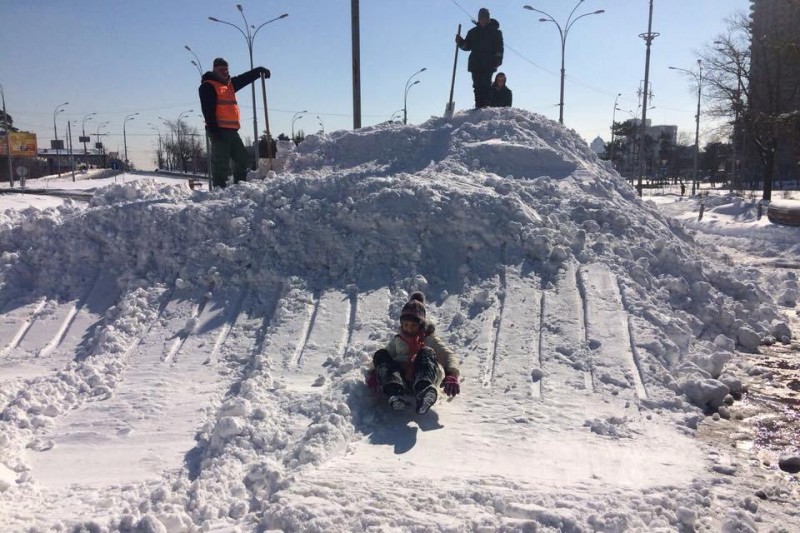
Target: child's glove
pixel 372 381
pixel 450 385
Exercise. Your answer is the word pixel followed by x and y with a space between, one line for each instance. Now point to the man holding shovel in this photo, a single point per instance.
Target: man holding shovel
pixel 485 44
pixel 221 113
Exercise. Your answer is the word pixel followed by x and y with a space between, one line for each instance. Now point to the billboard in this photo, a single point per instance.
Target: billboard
pixel 22 144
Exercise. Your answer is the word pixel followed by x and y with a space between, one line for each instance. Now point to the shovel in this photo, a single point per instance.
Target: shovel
pixel 450 108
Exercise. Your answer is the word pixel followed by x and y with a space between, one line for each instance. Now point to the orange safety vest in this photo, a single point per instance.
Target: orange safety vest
pixel 227 111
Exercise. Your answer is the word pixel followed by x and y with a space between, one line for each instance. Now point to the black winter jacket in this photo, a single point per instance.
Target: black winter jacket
pixel 500 96
pixel 208 96
pixel 486 46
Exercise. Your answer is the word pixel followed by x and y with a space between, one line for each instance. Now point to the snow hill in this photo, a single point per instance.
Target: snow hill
pixel 173 360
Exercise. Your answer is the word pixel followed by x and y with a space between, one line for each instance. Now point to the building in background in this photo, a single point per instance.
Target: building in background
pixel 774 91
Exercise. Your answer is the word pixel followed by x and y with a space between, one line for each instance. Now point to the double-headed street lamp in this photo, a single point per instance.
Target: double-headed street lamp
pixel 124 136
pixel 321 125
pixel 97 134
pixel 405 96
pixel 179 134
pixel 296 117
pixel 55 132
pixel 249 36
pixel 698 77
pixel 83 130
pixel 613 121
pixel 563 32
pixel 159 160
pixel 195 61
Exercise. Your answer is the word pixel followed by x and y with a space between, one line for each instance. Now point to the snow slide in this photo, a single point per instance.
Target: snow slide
pixel 180 360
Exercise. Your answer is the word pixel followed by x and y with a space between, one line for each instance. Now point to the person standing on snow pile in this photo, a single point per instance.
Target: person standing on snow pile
pixel 415 359
pixel 485 44
pixel 500 93
pixel 221 113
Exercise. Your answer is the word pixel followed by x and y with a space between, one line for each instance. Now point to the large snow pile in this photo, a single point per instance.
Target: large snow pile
pixel 547 274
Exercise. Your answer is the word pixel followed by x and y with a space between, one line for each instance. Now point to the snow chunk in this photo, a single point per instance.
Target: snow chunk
pixel 7 477
pixel 780 330
pixel 705 393
pixel 789 463
pixel 748 339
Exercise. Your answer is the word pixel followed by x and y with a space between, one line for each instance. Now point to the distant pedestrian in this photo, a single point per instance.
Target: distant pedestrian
pixel 500 94
pixel 221 113
pixel 485 44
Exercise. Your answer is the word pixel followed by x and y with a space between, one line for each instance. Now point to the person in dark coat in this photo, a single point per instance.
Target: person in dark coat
pixel 500 95
pixel 221 113
pixel 485 44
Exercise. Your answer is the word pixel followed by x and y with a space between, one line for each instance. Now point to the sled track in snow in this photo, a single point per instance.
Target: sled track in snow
pixel 297 360
pixel 589 374
pixel 22 329
pixel 497 324
pixel 614 359
pixel 170 355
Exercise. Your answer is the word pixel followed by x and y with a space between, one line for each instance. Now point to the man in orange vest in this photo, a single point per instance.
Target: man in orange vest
pixel 221 113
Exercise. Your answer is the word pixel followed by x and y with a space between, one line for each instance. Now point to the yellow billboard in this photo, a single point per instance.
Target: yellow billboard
pixel 22 144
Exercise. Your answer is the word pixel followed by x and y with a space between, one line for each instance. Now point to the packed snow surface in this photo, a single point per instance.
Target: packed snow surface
pixel 174 359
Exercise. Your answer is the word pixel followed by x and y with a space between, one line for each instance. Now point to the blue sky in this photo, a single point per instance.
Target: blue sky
pixel 114 58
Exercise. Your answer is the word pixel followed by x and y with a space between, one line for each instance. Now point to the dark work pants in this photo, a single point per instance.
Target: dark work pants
pixel 390 373
pixel 482 85
pixel 226 145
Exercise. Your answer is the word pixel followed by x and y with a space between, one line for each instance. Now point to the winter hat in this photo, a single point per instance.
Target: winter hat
pixel 483 13
pixel 219 62
pixel 415 308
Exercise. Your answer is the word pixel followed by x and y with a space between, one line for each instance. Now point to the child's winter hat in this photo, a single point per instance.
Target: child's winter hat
pixel 415 308
pixel 483 13
pixel 219 62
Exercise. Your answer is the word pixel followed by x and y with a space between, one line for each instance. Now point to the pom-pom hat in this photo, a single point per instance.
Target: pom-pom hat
pixel 415 308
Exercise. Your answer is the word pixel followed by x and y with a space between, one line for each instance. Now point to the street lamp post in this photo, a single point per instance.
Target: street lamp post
pixel 195 61
pixel 563 33
pixel 125 137
pixel 180 136
pixel 699 79
pixel 295 117
pixel 55 132
pixel 321 125
pixel 8 143
pixel 83 130
pixel 97 134
pixel 158 154
pixel 613 121
pixel 71 151
pixel 405 96
pixel 249 36
pixel 736 97
pixel 208 157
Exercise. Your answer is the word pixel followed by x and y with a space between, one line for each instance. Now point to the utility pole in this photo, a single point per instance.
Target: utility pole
pixel 356 64
pixel 8 142
pixel 648 38
pixel 71 153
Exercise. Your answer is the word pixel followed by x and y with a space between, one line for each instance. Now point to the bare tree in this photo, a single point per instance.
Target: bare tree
pixel 183 145
pixel 748 83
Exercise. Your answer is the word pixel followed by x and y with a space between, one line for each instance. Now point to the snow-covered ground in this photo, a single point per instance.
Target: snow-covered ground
pixel 177 360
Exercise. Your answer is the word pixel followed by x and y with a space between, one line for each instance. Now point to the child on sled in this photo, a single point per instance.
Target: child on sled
pixel 415 360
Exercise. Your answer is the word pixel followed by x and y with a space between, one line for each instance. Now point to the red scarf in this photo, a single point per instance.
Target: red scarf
pixel 415 343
